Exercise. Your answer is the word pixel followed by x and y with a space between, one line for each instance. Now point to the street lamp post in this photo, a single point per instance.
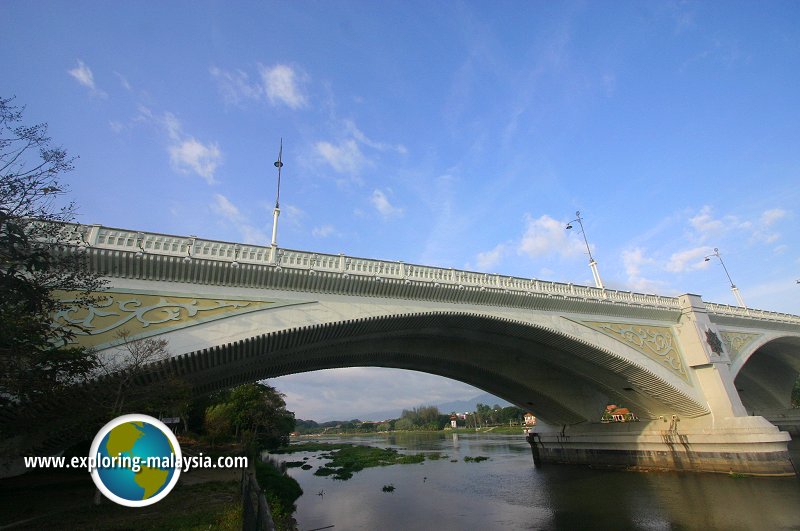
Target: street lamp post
pixel 734 289
pixel 592 262
pixel 277 211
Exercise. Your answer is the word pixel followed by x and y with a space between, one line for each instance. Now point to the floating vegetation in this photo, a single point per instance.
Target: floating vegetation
pixel 348 459
pixel 293 464
pixel 388 488
pixel 469 459
pixel 306 467
pixel 435 456
pixel 454 460
pixel 311 447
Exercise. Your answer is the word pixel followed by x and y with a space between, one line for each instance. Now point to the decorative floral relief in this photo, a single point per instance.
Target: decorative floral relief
pixel 736 342
pixel 127 310
pixel 145 314
pixel 656 342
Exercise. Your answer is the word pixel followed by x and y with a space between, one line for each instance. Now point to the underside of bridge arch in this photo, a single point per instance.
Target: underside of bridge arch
pixel 560 379
pixel 765 382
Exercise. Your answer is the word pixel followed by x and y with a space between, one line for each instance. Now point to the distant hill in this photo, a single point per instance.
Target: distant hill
pixel 459 406
pixel 462 406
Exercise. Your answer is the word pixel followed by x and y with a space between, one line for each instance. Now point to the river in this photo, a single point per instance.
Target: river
pixel 508 492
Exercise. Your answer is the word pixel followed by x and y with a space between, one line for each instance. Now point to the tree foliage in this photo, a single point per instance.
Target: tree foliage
pixel 35 355
pixel 421 418
pixel 128 386
pixel 256 415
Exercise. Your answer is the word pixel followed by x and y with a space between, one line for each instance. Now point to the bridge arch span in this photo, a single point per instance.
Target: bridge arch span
pixel 560 378
pixel 765 373
pixel 237 312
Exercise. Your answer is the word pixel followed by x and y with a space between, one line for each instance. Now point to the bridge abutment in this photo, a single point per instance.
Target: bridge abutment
pixel 741 445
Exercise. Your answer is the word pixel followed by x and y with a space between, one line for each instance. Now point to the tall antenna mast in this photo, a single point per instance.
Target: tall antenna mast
pixel 277 211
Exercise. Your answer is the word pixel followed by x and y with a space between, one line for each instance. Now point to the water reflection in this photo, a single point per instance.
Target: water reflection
pixel 507 492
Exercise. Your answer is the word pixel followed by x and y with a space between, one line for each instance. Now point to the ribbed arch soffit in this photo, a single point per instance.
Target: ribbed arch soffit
pixel 243 360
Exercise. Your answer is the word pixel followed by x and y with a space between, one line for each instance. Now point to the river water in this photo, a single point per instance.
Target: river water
pixel 508 492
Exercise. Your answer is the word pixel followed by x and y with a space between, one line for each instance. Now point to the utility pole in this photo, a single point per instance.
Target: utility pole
pixel 277 211
pixel 592 262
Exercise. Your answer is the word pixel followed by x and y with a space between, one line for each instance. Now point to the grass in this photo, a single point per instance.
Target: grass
pixel 65 501
pixel 281 492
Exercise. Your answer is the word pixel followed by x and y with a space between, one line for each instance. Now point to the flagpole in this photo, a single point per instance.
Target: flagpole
pixel 277 211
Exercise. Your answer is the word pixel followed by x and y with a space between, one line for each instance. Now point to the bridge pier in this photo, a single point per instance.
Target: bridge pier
pixel 787 420
pixel 741 445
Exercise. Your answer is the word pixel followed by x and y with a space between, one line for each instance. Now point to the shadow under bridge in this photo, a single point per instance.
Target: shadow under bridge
pixel 561 379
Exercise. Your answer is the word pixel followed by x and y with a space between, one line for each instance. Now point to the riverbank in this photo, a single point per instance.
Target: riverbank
pixel 57 499
pixel 497 430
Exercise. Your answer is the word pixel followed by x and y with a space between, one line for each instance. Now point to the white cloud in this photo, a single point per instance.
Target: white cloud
pixel 634 261
pixel 252 235
pixel 344 394
pixel 292 212
pixel 124 82
pixel 705 224
pixel 688 260
pixel 281 85
pixel 190 154
pixel 83 75
pixel 223 207
pixel 236 86
pixel 187 154
pixel 771 216
pixel 490 259
pixel 383 206
pixel 763 230
pixel 545 235
pixel 351 127
pixel 172 126
pixel 323 232
pixel 344 158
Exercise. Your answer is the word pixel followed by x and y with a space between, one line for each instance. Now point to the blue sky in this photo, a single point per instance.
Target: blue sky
pixel 458 134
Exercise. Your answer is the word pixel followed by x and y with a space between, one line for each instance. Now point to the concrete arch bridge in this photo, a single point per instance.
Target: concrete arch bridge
pixel 705 379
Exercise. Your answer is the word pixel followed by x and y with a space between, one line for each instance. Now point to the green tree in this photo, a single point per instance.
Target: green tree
pixel 422 417
pixel 259 416
pixel 217 423
pixel 37 260
pixel 796 394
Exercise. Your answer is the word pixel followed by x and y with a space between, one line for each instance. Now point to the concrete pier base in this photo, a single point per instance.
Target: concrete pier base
pixel 741 445
pixel 787 420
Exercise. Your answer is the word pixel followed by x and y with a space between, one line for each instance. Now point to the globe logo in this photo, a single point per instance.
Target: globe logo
pixel 137 460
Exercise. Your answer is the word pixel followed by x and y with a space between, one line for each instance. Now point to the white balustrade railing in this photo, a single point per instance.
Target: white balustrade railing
pixel 738 311
pixel 189 247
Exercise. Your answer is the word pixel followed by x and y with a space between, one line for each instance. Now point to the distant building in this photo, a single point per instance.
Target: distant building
pixel 613 413
pixel 530 419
